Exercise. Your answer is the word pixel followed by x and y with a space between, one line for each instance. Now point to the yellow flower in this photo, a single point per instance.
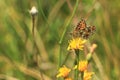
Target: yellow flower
pixel 87 75
pixel 68 79
pixel 82 66
pixel 77 43
pixel 63 72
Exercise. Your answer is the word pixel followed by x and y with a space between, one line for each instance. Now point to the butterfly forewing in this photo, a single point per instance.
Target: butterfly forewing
pixel 81 25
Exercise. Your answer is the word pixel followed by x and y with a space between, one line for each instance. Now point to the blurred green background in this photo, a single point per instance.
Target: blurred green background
pixel 16 41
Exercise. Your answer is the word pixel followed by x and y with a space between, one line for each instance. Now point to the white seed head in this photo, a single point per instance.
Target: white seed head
pixel 33 11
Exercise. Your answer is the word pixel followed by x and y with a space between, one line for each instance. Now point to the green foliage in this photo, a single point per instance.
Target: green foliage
pixel 17 46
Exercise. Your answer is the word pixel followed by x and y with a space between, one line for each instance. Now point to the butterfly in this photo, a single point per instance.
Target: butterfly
pixel 83 31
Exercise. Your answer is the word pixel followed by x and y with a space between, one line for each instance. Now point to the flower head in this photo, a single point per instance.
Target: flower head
pixel 82 65
pixel 87 75
pixel 63 72
pixel 77 43
pixel 33 11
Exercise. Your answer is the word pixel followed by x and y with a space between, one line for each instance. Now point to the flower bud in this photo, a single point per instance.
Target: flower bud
pixel 33 11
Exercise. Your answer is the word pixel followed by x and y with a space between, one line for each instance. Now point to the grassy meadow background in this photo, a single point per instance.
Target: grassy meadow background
pixel 54 22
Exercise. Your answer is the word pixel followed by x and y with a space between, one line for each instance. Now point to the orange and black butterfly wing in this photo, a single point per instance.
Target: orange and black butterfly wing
pixel 79 29
pixel 81 25
pixel 88 31
pixel 83 31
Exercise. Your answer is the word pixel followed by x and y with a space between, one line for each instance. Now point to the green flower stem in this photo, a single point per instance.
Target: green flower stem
pixel 66 27
pixel 82 74
pixel 60 58
pixel 69 20
pixel 77 63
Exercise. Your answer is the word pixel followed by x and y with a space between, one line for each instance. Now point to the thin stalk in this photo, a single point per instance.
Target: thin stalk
pixel 64 32
pixel 33 24
pixel 77 63
pixel 35 48
pixel 65 59
pixel 34 44
pixel 69 20
pixel 82 74
pixel 42 12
